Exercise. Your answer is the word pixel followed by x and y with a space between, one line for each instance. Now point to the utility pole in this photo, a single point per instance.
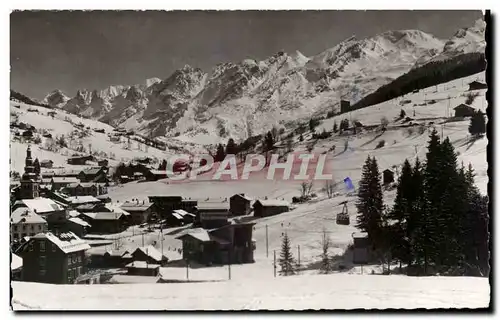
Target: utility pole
pixel 298 249
pixel 143 239
pixel 229 264
pixel 267 243
pixel 187 268
pixel 442 128
pixel 274 263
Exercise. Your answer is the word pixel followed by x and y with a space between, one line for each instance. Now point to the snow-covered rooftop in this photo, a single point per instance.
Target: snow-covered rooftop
pixel 142 265
pixel 79 222
pixel 82 199
pixel 25 215
pixel 273 203
pixel 152 252
pixel 17 262
pixel 68 242
pixel 41 205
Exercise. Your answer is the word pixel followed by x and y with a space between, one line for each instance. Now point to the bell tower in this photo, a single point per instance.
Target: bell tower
pixel 30 186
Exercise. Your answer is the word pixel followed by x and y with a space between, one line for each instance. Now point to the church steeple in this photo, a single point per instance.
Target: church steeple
pixel 29 180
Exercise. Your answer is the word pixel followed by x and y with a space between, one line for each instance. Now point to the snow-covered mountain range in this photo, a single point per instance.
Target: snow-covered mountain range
pixel 247 97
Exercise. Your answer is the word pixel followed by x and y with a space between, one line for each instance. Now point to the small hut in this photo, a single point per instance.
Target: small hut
pixel 387 176
pixel 464 110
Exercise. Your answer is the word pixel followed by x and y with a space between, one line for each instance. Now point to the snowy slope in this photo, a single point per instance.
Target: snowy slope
pixel 249 97
pixel 65 123
pixel 288 293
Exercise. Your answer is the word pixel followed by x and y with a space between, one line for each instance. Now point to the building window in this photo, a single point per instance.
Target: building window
pixel 42 262
pixel 32 227
pixel 79 258
pixel 70 275
pixel 40 227
pixel 42 272
pixel 15 228
pixel 42 246
pixel 31 246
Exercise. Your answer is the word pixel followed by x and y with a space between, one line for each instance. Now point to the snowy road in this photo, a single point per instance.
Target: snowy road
pixel 338 291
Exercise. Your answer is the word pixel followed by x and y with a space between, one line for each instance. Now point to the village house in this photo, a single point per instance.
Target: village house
pixel 47 164
pixel 94 174
pixel 76 201
pixel 105 222
pixel 150 255
pixel 163 206
pixel 52 258
pixel 85 189
pixel 230 243
pixel 266 208
pixel 54 213
pixel 239 205
pixel 464 110
pixel 387 176
pixel 141 268
pixel 24 222
pixel 139 211
pixel 180 217
pixel 78 226
pixel 103 163
pixel 58 183
pixel 476 85
pixel 212 214
pixel 154 175
pixel 80 160
pixel 110 259
pixel 345 106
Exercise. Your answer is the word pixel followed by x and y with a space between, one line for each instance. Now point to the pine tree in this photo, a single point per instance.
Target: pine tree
pixel 335 127
pixel 477 124
pixel 163 165
pixel 301 138
pixel 286 260
pixel 231 147
pixel 400 213
pixel 402 114
pixel 220 155
pixel 36 164
pixel 370 200
pixel 268 142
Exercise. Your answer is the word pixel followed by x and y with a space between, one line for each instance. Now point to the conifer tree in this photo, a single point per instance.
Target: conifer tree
pixel 36 164
pixel 370 200
pixel 268 141
pixel 231 147
pixel 335 127
pixel 286 260
pixel 400 213
pixel 220 154
pixel 477 124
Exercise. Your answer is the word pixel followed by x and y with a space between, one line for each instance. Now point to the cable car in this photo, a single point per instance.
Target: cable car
pixel 343 217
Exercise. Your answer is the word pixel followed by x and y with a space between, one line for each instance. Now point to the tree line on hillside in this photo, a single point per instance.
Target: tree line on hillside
pixel 439 220
pixel 24 99
pixel 430 74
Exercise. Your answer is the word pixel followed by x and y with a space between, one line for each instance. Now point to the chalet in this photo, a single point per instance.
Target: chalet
pixel 51 258
pixel 99 130
pixel 141 268
pixel 27 133
pixel 464 110
pixel 46 164
pixel 95 174
pixel 61 182
pixel 103 163
pixel 89 207
pixel 54 213
pixel 345 106
pixel 24 222
pixel 387 176
pixel 76 201
pixel 80 160
pixel 78 226
pixel 85 189
pixel 110 259
pixel 266 208
pixel 211 215
pixel 181 217
pixel 105 222
pixel 124 179
pixel 476 85
pixel 154 175
pixel 16 267
pixel 138 175
pixel 139 211
pixel 49 174
pixel 361 245
pixel 239 204
pixel 231 243
pixel 144 160
pixel 104 198
pixel 47 135
pixel 150 255
pixel 164 206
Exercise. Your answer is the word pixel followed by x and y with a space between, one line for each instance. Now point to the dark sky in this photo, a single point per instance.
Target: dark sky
pixel 75 50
